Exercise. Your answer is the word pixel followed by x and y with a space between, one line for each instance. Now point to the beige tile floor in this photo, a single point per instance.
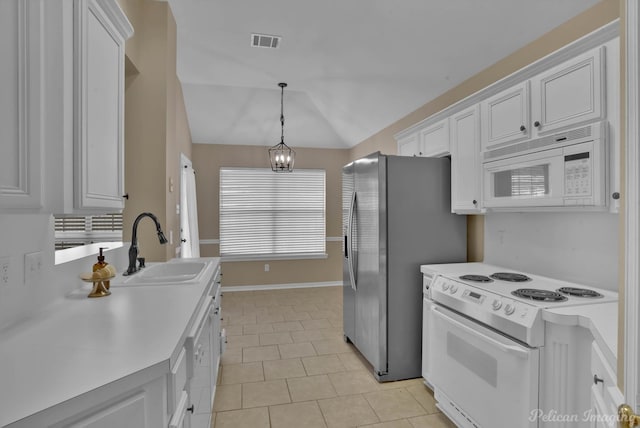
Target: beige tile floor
pixel 287 366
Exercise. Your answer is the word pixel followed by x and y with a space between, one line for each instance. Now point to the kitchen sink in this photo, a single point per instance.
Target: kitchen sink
pixel 165 273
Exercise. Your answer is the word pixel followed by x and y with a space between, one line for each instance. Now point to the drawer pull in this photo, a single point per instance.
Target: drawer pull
pixel 596 379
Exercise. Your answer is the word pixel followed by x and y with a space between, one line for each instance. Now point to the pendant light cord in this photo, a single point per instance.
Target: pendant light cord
pixel 282 85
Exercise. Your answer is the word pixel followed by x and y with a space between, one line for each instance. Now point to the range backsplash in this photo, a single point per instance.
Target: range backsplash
pixel 580 247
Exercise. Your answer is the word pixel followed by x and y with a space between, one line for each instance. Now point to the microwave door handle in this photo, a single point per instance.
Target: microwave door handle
pixel 503 347
pixel 350 260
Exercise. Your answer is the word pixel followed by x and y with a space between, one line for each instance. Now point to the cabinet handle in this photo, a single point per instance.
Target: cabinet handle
pixel 616 195
pixel 536 124
pixel 523 128
pixel 475 202
pixel 191 409
pixel 420 153
pixel 126 196
pixel 596 379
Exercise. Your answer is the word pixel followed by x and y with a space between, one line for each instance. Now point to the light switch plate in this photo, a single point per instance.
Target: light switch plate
pixel 32 267
pixel 5 270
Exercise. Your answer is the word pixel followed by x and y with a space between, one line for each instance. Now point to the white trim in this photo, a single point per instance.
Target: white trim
pixel 224 289
pixel 250 258
pixel 596 38
pixel 209 241
pixel 632 211
pixel 217 241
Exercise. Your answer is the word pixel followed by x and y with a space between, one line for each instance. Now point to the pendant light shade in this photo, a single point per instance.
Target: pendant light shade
pixel 282 156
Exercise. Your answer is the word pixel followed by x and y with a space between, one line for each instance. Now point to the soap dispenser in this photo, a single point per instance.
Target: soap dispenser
pixel 101 264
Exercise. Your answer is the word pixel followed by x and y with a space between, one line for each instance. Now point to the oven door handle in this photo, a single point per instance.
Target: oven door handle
pixel 511 349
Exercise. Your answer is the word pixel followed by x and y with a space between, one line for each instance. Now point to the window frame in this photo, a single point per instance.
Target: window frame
pixel 275 255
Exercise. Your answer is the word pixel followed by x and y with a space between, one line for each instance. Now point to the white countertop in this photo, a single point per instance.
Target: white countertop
pixel 79 344
pixel 601 319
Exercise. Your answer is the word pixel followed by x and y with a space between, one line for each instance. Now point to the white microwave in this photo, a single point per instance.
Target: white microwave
pixel 567 170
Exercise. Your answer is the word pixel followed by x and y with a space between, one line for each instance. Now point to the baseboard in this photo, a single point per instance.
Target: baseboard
pixel 281 286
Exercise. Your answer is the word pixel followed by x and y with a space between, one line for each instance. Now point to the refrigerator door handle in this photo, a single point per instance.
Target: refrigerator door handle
pixel 350 260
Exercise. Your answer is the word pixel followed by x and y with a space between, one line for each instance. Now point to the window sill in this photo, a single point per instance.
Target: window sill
pixel 75 253
pixel 267 257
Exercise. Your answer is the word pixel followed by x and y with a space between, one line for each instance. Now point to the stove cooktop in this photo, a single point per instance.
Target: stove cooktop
pixel 542 291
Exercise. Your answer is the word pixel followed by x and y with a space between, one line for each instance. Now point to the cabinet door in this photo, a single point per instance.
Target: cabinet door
pixel 409 145
pixel 130 412
pixel 605 395
pixel 98 109
pixel 181 417
pixel 505 117
pixel 465 161
pixel 434 140
pixel 21 116
pixel 570 93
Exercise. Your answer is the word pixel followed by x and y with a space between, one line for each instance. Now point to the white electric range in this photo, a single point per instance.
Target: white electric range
pixel 482 337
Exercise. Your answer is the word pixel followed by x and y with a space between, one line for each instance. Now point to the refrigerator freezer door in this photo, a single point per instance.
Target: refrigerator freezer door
pixel 371 268
pixel 349 294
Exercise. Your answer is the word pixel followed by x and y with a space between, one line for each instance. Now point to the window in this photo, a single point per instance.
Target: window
pixel 76 231
pixel 264 214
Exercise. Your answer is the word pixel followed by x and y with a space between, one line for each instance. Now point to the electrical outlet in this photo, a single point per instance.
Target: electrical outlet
pixel 32 267
pixel 266 267
pixel 5 270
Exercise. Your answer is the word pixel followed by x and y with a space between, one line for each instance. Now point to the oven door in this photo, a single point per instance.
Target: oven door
pixel 481 378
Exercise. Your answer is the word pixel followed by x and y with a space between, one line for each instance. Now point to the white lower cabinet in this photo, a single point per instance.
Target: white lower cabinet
pixel 121 404
pixel 181 417
pixel 605 394
pixel 154 397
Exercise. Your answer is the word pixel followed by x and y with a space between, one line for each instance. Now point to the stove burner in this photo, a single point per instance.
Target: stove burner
pixel 510 276
pixel 579 292
pixel 476 278
pixel 539 295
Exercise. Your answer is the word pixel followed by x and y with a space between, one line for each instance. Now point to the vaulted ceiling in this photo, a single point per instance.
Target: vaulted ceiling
pixel 353 67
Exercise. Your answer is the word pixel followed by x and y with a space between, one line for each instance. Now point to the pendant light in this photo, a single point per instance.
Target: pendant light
pixel 281 155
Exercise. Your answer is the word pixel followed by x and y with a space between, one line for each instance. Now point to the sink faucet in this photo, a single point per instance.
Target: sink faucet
pixel 133 250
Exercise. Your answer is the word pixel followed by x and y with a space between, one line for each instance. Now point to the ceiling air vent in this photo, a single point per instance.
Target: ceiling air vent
pixel 265 41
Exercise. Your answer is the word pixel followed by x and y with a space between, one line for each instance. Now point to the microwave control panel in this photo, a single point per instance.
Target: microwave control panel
pixel 577 175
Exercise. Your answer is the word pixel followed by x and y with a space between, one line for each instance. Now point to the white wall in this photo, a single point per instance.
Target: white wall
pixel 576 247
pixel 26 233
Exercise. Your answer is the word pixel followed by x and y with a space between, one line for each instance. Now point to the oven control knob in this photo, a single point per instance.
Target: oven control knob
pixel 509 309
pixel 453 289
pixel 445 286
pixel 497 304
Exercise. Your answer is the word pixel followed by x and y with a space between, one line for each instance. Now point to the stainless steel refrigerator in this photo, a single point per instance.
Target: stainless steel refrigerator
pixel 396 216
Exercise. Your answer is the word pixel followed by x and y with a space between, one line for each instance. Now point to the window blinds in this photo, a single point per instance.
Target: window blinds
pixel 81 230
pixel 263 213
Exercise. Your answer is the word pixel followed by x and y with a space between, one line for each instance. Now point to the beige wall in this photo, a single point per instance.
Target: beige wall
pixel 156 127
pixel 207 160
pixel 595 17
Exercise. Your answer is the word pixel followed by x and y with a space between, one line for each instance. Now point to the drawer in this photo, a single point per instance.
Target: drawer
pixel 177 380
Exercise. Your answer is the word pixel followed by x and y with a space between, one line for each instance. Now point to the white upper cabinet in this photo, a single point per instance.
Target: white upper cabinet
pixel 570 93
pixel 425 140
pixel 505 117
pixel 62 106
pixel 465 162
pixel 409 145
pixel 434 140
pixel 567 95
pixel 100 31
pixel 21 116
